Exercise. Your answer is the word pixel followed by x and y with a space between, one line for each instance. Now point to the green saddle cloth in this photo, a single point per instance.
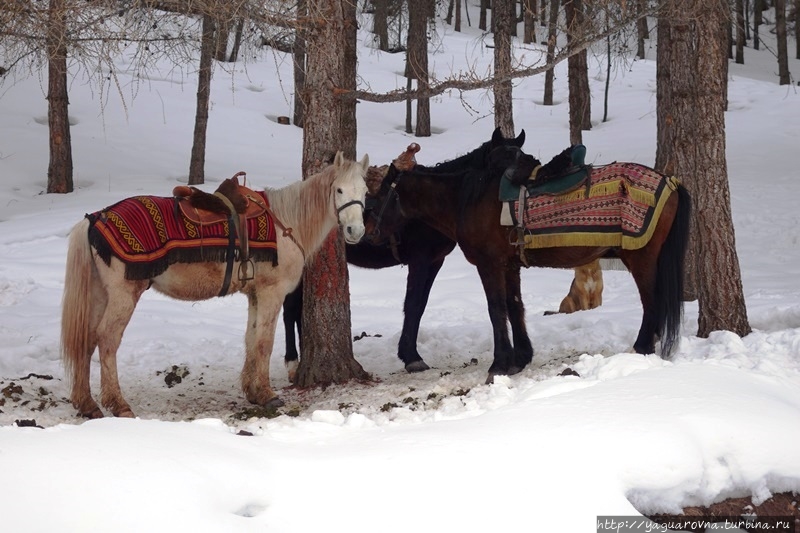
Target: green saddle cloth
pixel 577 175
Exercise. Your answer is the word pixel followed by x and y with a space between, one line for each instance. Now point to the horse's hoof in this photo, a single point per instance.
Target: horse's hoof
pixel 125 413
pixel 417 366
pixel 291 369
pixel 274 403
pixel 93 414
pixel 490 377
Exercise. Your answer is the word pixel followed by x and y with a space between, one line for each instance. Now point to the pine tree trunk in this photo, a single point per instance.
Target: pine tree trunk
pixel 503 16
pixel 757 18
pixel 380 27
pixel 237 41
pixel 720 292
pixel 457 26
pixel 482 23
pixel 740 32
pixel 531 10
pixel 797 28
pixel 417 60
pixel 299 70
pixel 642 31
pixel 197 163
pixel 665 161
pixel 578 72
pixel 221 35
pixel 327 331
pixel 780 34
pixel 59 171
pixel 682 120
pixel 552 34
pixel 698 61
pixel 349 125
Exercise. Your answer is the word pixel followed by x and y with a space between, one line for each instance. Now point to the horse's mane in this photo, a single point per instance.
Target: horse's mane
pixel 476 157
pixel 470 170
pixel 305 206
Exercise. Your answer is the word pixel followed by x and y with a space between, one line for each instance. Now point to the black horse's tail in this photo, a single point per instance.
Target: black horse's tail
pixel 669 279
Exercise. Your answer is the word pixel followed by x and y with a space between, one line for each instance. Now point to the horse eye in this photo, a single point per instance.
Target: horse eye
pixel 339 190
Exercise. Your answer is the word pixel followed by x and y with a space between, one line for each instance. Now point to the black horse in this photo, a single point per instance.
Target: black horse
pixel 407 242
pixel 463 205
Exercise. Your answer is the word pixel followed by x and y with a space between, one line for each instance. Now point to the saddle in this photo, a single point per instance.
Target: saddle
pixel 569 179
pixel 231 201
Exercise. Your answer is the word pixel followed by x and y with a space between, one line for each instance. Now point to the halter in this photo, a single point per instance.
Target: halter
pixel 348 204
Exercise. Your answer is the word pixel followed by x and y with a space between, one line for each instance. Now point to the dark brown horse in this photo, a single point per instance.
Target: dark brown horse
pixel 463 205
pixel 407 242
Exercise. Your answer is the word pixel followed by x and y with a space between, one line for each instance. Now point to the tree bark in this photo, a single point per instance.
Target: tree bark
pixel 349 125
pixel 503 16
pixel 197 163
pixel 720 292
pixel 549 75
pixel 221 35
pixel 642 31
pixel 757 18
pixel 531 11
pixel 797 28
pixel 59 171
pixel 380 26
pixel 299 68
pixel 578 72
pixel 457 26
pixel 739 32
pixel 327 331
pixel 780 34
pixel 417 60
pixel 665 142
pixel 698 62
pixel 482 22
pixel 237 41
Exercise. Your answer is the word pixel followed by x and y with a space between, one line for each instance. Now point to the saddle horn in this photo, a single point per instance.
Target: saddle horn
pixel 406 160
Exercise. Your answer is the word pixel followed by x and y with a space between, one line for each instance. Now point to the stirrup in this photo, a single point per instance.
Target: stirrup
pixel 247 270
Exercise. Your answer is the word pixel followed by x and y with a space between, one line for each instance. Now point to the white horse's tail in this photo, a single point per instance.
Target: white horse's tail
pixel 77 342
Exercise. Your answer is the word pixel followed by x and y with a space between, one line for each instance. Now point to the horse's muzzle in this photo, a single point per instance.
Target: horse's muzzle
pixel 353 233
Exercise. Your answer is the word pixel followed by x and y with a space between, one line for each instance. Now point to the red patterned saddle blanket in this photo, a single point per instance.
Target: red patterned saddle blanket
pixel 618 206
pixel 149 233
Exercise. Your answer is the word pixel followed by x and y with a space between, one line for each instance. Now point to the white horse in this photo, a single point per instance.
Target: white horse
pixel 99 299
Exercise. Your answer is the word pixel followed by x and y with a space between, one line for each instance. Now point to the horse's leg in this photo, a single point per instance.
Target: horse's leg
pixel 494 285
pixel 642 267
pixel 421 275
pixel 523 351
pixel 292 317
pixel 123 295
pixel 84 302
pixel 262 316
pixel 659 266
pixel 81 372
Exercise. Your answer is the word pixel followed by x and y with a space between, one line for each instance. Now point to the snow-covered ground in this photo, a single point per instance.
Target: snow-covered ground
pixel 437 451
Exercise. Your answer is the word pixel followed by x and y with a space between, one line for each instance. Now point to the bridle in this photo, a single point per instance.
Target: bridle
pixel 390 197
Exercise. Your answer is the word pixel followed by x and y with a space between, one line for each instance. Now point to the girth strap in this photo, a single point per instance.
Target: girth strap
pixel 238 229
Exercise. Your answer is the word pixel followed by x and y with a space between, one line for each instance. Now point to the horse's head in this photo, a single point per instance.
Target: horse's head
pixel 349 192
pixel 512 162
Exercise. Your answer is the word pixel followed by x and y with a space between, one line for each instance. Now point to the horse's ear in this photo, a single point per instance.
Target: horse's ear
pixel 339 159
pixel 497 136
pixel 365 162
pixel 520 140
